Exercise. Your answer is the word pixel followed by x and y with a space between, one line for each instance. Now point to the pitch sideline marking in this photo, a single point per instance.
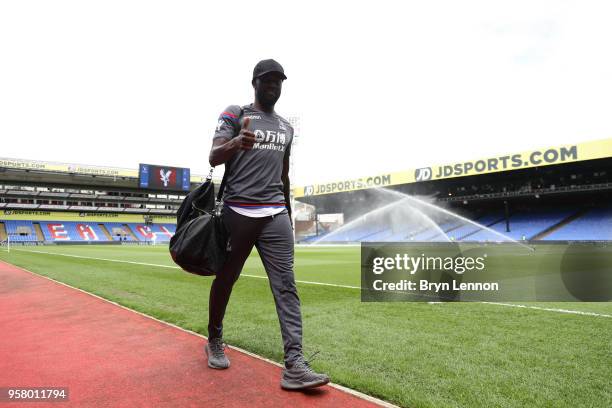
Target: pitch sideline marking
pixel 176 267
pixel 547 309
pixel 331 384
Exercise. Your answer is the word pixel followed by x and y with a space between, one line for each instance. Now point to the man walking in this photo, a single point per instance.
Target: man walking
pixel 255 143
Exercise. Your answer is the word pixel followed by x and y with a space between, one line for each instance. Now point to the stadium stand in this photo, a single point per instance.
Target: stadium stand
pixel 523 226
pixel 568 224
pixel 72 231
pixel 119 232
pixel 153 232
pixel 20 231
pixel 466 230
pixel 429 235
pixel 561 201
pixel 388 234
pixel 62 231
pixel 360 233
pixel 595 224
pixel 550 224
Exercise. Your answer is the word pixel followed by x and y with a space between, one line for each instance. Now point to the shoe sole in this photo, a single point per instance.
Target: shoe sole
pixel 304 386
pixel 212 365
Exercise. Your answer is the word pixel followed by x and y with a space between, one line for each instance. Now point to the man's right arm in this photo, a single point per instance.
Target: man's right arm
pixel 224 145
pixel 222 150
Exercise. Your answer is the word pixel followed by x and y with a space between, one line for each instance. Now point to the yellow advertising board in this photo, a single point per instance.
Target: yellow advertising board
pixel 33 215
pixel 598 149
pixel 77 169
pixel 67 168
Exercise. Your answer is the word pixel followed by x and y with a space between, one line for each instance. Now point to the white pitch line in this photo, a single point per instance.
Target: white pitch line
pixel 546 309
pixel 314 246
pixel 347 390
pixel 98 259
pixel 176 267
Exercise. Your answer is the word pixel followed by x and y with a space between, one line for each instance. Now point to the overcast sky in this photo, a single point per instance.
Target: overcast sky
pixel 379 85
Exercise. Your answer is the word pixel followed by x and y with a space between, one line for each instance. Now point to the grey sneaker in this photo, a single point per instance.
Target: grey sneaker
pixel 216 354
pixel 301 377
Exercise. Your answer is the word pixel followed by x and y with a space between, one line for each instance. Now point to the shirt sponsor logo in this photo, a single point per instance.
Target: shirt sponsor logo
pixel 252 116
pixel 259 135
pixel 270 140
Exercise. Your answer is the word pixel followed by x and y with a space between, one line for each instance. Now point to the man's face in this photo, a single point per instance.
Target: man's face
pixel 268 88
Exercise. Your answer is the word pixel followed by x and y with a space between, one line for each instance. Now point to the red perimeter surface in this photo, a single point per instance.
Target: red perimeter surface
pixel 56 336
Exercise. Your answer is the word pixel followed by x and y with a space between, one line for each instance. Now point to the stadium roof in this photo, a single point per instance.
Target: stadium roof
pixel 71 168
pixel 598 149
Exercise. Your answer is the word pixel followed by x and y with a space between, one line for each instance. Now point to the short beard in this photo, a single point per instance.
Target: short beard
pixel 266 100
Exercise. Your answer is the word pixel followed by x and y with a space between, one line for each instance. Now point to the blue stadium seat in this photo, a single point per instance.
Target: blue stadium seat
pixel 522 225
pixel 156 232
pixel 458 234
pixel 109 227
pixel 11 229
pixel 595 224
pixel 434 235
pixel 72 231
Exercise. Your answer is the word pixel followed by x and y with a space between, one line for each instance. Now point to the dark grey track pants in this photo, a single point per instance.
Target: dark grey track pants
pixel 273 238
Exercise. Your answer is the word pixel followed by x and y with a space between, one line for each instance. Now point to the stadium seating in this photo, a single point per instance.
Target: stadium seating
pixel 350 234
pixel 467 229
pixel 595 224
pixel 110 226
pixel 11 230
pixel 373 234
pixel 435 235
pixel 523 226
pixel 153 232
pixel 567 224
pixel 73 231
pixel 63 231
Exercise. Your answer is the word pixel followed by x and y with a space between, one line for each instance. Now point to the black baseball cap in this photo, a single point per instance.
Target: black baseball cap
pixel 266 66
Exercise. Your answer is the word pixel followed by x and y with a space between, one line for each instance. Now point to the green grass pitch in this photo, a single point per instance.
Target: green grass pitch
pixel 410 354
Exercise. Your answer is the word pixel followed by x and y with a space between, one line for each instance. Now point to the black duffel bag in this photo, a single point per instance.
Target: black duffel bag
pixel 199 245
